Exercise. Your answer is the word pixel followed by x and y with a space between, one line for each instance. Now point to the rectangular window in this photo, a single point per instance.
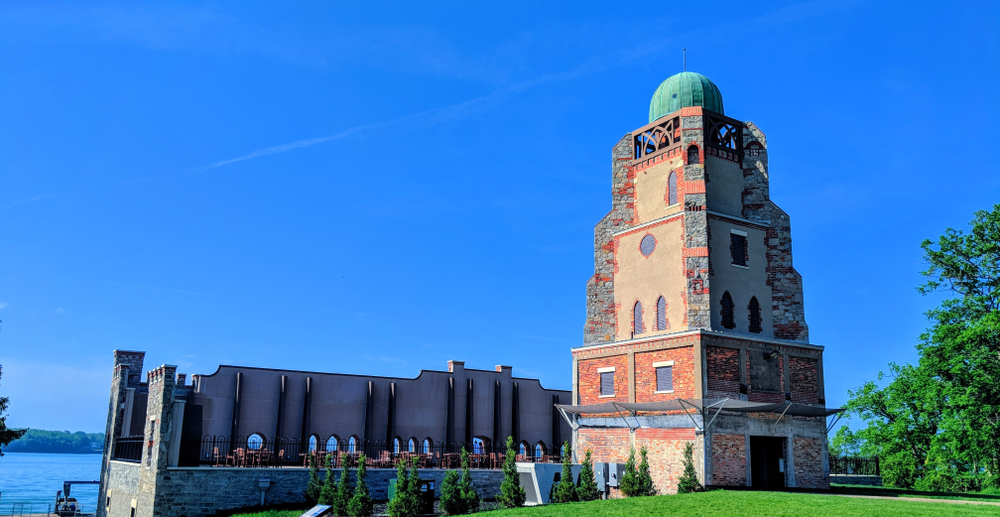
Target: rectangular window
pixel 665 378
pixel 607 383
pixel 738 248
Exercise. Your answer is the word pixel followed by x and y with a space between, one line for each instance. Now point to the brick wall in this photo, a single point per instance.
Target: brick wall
pixel 809 463
pixel 665 449
pixel 609 445
pixel 723 371
pixel 729 460
pixel 766 396
pixel 590 379
pixel 805 383
pixel 683 374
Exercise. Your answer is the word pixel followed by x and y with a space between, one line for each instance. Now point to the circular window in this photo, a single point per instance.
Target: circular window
pixel 647 245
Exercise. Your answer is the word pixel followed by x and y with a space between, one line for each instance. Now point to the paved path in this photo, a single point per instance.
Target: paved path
pixel 922 499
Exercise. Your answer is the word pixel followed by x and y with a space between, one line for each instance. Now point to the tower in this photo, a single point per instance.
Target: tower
pixel 694 299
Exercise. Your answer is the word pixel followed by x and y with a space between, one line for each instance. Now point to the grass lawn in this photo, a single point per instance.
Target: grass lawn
pixel 747 504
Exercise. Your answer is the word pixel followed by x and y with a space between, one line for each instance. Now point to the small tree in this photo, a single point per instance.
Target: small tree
pixel 470 498
pixel 314 487
pixel 645 479
pixel 565 491
pixel 398 506
pixel 344 489
pixel 512 494
pixel 451 499
pixel 689 479
pixel 328 493
pixel 361 504
pixel 586 489
pixel 7 435
pixel 629 482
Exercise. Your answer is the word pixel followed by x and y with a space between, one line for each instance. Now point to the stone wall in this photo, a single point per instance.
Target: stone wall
pixel 851 479
pixel 729 460
pixel 810 467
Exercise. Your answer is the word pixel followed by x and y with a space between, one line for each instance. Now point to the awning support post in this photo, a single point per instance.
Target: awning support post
pixel 776 422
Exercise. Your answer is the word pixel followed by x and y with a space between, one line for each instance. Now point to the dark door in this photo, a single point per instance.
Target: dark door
pixel 767 460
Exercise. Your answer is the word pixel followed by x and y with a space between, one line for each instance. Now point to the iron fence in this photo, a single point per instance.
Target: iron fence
pixel 26 509
pixel 854 465
pixel 128 448
pixel 256 451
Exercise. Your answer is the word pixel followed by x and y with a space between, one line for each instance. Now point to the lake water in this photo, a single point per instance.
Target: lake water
pixel 34 477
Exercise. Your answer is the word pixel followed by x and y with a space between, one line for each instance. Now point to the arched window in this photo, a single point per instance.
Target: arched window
pixel 352 445
pixel 539 450
pixel 661 314
pixel 637 327
pixel 672 189
pixel 395 445
pixel 754 308
pixel 754 148
pixel 478 446
pixel 562 451
pixel 523 449
pixel 727 311
pixel 331 443
pixel 313 443
pixel 412 446
pixel 255 441
pixel 693 155
pixel 427 445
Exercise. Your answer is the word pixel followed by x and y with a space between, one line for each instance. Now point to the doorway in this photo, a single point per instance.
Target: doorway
pixel 767 463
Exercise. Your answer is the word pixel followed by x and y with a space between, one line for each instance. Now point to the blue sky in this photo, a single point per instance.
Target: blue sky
pixel 346 188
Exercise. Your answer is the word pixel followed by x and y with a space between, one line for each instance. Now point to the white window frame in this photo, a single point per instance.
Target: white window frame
pixel 664 364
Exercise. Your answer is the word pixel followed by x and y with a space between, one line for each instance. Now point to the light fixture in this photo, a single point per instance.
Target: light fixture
pixel 770 356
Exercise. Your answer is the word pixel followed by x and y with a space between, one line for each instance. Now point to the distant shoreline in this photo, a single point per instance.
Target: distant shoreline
pixel 57 442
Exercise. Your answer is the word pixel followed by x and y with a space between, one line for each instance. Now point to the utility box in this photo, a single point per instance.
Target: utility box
pixel 615 472
pixel 601 475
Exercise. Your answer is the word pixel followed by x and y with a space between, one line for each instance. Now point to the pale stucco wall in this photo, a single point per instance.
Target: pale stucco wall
pixel 647 278
pixel 724 186
pixel 742 283
pixel 651 191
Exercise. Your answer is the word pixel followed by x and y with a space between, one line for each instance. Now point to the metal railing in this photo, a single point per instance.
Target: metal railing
pixel 26 509
pixel 260 452
pixel 128 448
pixel 854 465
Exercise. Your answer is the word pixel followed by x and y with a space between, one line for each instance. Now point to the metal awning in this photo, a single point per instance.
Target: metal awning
pixel 702 406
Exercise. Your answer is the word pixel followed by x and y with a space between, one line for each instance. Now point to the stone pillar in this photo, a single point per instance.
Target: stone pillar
pixel 116 415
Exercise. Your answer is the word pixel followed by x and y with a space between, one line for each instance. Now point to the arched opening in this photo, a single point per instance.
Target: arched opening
pixel 693 158
pixel 728 321
pixel 255 442
pixel 540 449
pixel 479 445
pixel 755 319
pixel 331 443
pixel 522 449
pixel 427 445
pixel 672 189
pixel 395 445
pixel 313 443
pixel 412 445
pixel 754 148
pixel 637 327
pixel 661 314
pixel 352 445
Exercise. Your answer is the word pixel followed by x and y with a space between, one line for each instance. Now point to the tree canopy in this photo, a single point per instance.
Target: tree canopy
pixel 6 435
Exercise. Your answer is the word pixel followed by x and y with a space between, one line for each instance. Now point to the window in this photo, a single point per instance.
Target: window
pixel 313 441
pixel 754 148
pixel 607 384
pixel 395 445
pixel 255 442
pixel 738 247
pixel 352 445
pixel 412 446
pixel 562 451
pixel 727 311
pixel 647 245
pixel 637 318
pixel 539 450
pixel 664 376
pixel 693 155
pixel 478 446
pixel 672 189
pixel 427 445
pixel 754 308
pixel 331 443
pixel 661 314
pixel 523 449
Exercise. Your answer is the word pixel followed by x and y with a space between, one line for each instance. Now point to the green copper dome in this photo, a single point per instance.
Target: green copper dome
pixel 684 90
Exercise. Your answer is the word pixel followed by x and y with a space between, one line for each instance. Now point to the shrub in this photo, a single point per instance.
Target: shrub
pixel 645 479
pixel 468 494
pixel 511 494
pixel 565 491
pixel 314 486
pixel 586 489
pixel 403 503
pixel 328 493
pixel 688 481
pixel 361 504
pixel 344 489
pixel 451 499
pixel 629 482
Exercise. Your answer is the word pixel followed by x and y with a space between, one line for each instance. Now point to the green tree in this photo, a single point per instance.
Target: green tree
pixel 406 499
pixel 314 487
pixel 467 492
pixel 451 498
pixel 361 504
pixel 587 489
pixel 936 424
pixel 688 481
pixel 629 482
pixel 7 435
pixel 645 479
pixel 328 493
pixel 565 491
pixel 512 494
pixel 344 489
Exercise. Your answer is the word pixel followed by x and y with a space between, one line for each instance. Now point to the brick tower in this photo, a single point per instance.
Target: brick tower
pixel 694 299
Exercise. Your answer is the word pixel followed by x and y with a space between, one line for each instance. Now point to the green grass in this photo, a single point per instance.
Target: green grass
pixel 992 495
pixel 750 504
pixel 273 513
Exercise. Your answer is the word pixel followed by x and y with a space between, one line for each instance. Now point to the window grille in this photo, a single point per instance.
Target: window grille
pixel 727 311
pixel 647 245
pixel 755 319
pixel 664 378
pixel 607 383
pixel 672 189
pixel 661 314
pixel 693 155
pixel 738 249
pixel 637 318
